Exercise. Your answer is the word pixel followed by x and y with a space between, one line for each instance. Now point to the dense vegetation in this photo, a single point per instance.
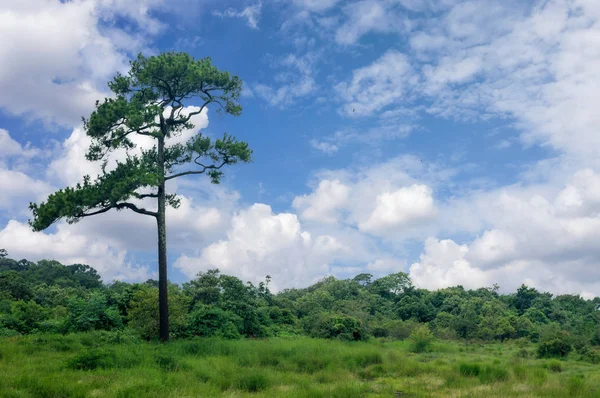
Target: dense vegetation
pixel 48 297
pixel 115 364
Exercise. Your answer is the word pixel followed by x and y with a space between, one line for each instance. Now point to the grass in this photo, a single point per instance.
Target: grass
pixel 99 365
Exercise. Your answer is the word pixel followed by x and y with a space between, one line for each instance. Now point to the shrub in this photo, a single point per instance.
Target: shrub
pixel 342 327
pixel 209 321
pixel 143 312
pixel 93 359
pixel 586 353
pixel 252 382
pixel 554 366
pixel 92 313
pixel 8 333
pixel 557 347
pixel 103 358
pixel 421 339
pixel 469 369
pixel 493 373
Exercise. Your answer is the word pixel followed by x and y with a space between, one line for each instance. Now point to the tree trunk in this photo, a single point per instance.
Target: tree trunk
pixel 163 302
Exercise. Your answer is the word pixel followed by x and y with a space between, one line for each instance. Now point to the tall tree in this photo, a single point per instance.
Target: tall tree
pixel 149 101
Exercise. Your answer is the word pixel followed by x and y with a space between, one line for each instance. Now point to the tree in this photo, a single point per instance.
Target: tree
pixel 3 253
pixel 149 102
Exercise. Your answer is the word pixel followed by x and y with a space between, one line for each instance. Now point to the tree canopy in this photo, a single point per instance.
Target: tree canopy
pixel 153 101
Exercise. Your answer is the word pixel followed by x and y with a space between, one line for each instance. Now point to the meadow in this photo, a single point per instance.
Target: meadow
pixel 115 364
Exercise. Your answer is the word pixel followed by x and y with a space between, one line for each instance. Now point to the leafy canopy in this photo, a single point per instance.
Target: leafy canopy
pixel 149 101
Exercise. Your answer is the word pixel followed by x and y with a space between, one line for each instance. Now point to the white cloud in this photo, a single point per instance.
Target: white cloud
pixel 18 189
pixel 315 5
pixel 297 80
pixel 261 243
pixel 70 248
pixel 367 16
pixel 378 85
pixel 393 200
pixel 251 14
pixel 536 234
pixel 324 203
pixel 58 55
pixel 324 147
pixel 401 208
pixel 70 166
pixel 11 148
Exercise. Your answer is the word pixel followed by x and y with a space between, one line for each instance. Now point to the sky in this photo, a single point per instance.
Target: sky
pixel 456 141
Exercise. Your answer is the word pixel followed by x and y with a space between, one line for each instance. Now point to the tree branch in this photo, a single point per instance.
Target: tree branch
pixel 119 206
pixel 185 173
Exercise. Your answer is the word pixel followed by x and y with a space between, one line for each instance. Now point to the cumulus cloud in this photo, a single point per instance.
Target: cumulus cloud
pixel 18 189
pixel 545 239
pixel 59 81
pixel 393 200
pixel 10 148
pixel 324 203
pixel 70 248
pixel 401 208
pixel 261 243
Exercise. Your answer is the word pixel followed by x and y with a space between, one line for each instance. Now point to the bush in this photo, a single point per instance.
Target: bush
pixel 555 348
pixel 209 321
pixel 92 313
pixel 327 326
pixel 8 333
pixel 143 312
pixel 469 369
pixel 587 354
pixel 93 359
pixel 554 366
pixel 252 382
pixel 493 373
pixel 104 358
pixel 421 339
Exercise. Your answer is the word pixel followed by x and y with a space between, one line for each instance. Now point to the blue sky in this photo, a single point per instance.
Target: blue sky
pixel 453 140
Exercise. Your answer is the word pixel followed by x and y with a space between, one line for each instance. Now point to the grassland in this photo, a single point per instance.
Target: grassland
pixel 112 365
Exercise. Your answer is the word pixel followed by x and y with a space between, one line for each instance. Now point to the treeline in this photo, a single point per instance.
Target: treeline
pixel 48 297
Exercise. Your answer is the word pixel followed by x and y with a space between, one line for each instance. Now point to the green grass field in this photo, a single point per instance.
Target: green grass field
pixel 109 365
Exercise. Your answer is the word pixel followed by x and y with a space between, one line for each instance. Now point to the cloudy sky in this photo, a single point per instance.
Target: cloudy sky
pixel 457 141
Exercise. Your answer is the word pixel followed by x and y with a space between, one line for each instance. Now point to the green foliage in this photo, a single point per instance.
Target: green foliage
pixel 421 339
pixel 554 366
pixel 143 312
pixel 209 320
pixel 62 299
pixel 93 359
pixel 558 347
pixel 148 101
pixel 92 313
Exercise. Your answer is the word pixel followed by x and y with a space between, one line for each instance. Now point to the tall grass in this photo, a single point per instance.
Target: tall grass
pixel 106 365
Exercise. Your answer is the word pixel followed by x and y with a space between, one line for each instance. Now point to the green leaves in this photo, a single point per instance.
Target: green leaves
pixel 149 101
pixel 105 193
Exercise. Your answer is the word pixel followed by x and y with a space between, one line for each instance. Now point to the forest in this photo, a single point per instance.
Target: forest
pixel 48 297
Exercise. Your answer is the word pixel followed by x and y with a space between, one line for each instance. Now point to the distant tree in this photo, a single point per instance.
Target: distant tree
pixel 3 253
pixel 149 101
pixel 391 285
